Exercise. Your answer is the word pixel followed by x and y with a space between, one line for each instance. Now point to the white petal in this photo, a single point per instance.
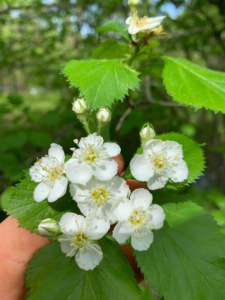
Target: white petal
pixel 71 223
pixel 66 248
pixel 87 209
pixel 133 28
pixel 129 20
pixel 158 216
pixel 105 169
pixel 89 259
pixel 151 26
pixel 142 244
pixel 91 139
pixel 69 161
pixel 81 193
pixel 153 146
pixel 122 210
pixel 79 172
pixel 35 172
pixel 120 188
pixel 73 188
pixel 57 154
pixel 157 182
pixel 122 232
pixel 141 198
pixel 58 190
pixel 141 167
pixel 181 172
pixel 156 19
pixel 112 149
pixel 96 228
pixel 41 192
pixel 173 149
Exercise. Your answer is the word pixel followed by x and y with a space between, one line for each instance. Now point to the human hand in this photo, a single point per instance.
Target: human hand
pixel 19 245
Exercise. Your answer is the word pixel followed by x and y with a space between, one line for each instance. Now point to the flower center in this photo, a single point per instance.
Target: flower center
pixel 138 218
pixel 54 173
pixel 100 195
pixel 91 154
pixel 80 239
pixel 142 22
pixel 159 162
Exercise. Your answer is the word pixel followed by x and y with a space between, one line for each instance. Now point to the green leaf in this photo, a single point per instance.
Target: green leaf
pixel 192 85
pixel 193 155
pixel 186 260
pixel 112 49
pixel 4 198
pixel 101 81
pixel 52 275
pixel 29 212
pixel 114 26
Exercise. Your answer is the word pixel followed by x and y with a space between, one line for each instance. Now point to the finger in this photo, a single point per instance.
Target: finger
pixel 17 248
pixel 119 159
pixel 136 185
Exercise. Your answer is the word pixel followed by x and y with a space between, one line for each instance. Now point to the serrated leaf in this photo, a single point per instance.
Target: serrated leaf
pixel 192 85
pixel 114 26
pixel 52 275
pixel 29 212
pixel 101 82
pixel 186 260
pixel 193 155
pixel 112 49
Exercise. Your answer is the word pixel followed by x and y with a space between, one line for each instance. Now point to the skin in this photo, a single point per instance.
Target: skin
pixel 18 246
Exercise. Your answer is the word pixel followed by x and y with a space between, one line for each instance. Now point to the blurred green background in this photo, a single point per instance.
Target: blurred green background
pixel 38 37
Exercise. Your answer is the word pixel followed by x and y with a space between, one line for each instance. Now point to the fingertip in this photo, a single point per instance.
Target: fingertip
pixel 119 159
pixel 136 185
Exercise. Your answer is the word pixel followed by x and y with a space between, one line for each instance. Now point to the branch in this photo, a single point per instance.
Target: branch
pixel 153 101
pixel 122 118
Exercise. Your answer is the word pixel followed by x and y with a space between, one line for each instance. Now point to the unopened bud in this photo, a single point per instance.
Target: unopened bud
pixel 80 106
pixel 49 227
pixel 133 2
pixel 104 115
pixel 147 133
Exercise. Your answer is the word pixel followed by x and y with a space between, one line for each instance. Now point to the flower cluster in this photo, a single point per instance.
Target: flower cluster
pixel 160 161
pixel 103 197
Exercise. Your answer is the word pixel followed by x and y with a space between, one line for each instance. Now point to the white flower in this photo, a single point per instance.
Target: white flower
pixel 80 106
pixel 159 162
pixel 79 236
pixel 136 24
pixel 103 115
pixel 92 159
pixel 98 198
pixel 137 219
pixel 48 227
pixel 49 171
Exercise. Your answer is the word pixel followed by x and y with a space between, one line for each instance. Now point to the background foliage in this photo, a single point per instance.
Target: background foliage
pixel 37 38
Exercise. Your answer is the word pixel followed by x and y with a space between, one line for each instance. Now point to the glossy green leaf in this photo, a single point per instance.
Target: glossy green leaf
pixel 114 26
pixel 29 212
pixel 52 275
pixel 101 82
pixel 112 49
pixel 192 85
pixel 186 260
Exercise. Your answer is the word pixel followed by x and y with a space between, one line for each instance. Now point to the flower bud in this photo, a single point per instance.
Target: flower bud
pixel 49 227
pixel 147 133
pixel 80 106
pixel 133 2
pixel 104 115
